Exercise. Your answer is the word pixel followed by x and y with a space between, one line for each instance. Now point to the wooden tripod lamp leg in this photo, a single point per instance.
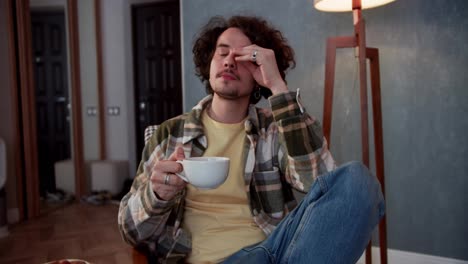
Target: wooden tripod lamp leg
pixel 359 29
pixel 373 56
pixel 329 83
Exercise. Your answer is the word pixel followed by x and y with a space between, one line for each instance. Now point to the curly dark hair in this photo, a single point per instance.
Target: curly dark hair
pixel 258 30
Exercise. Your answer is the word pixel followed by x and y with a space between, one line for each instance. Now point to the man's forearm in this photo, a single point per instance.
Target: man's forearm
pixel 307 155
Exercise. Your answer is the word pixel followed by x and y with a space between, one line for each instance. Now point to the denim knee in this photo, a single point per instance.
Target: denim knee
pixel 356 174
pixel 359 183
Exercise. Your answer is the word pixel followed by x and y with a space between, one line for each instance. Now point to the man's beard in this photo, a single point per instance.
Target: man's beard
pixel 227 93
pixel 230 93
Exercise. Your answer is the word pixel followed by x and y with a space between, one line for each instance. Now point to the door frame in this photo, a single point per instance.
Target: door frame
pixel 28 187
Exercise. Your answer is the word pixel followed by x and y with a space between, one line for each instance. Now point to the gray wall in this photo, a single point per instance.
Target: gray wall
pixel 424 61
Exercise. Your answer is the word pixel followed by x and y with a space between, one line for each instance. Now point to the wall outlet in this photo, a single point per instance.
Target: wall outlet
pixel 113 110
pixel 91 111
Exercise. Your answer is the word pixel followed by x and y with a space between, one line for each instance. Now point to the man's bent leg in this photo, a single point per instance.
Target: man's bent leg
pixel 332 224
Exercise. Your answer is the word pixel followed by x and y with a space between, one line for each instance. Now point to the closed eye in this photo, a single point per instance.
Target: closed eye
pixel 222 51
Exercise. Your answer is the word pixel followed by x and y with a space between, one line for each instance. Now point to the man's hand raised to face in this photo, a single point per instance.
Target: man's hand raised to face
pixel 262 64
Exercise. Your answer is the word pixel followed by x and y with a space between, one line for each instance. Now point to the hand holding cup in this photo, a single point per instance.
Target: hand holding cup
pixel 165 183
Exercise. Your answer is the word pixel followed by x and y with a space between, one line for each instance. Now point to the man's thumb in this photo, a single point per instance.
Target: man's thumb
pixel 178 154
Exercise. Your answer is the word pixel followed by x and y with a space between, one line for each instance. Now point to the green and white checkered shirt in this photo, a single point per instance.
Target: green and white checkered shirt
pixel 284 149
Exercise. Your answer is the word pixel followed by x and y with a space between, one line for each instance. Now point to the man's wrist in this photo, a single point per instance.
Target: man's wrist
pixel 156 201
pixel 279 88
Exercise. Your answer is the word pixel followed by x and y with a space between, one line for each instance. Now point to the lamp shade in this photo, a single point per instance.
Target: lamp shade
pixel 346 5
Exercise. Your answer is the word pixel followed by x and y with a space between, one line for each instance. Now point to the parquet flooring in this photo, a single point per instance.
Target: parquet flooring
pixel 80 231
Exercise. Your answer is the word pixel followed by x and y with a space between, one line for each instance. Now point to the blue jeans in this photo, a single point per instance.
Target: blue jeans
pixel 332 224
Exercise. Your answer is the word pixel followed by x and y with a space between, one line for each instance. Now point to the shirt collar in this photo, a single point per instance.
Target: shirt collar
pixel 193 127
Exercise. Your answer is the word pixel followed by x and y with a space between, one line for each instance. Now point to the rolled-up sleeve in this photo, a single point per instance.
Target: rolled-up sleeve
pixel 304 152
pixel 142 216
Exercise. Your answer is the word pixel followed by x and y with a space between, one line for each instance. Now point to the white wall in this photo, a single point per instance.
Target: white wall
pixel 115 77
pixel 88 71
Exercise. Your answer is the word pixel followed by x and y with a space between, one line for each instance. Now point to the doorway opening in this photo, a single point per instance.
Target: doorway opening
pixel 50 65
pixel 157 66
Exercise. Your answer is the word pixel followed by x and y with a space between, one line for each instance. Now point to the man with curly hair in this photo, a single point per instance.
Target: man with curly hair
pixel 253 217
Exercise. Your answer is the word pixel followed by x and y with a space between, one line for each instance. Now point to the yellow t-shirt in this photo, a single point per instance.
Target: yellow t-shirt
pixel 220 220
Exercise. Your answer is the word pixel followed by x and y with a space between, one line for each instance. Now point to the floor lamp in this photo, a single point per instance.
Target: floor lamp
pixel 358 41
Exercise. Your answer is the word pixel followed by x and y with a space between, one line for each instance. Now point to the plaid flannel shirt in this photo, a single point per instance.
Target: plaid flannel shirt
pixel 284 149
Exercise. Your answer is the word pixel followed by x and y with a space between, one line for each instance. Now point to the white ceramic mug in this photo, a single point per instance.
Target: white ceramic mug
pixel 205 172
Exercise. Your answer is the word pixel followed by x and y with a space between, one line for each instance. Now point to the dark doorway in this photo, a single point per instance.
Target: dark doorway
pixel 157 64
pixel 50 77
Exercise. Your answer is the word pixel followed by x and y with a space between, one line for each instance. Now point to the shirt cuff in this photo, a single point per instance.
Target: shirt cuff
pixel 157 205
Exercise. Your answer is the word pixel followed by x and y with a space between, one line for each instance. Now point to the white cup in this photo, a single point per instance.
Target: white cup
pixel 205 172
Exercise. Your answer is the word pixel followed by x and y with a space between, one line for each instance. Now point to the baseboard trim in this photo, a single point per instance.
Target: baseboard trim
pixel 13 215
pixel 404 257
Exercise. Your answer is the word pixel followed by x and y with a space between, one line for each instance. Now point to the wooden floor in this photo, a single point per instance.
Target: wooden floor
pixel 79 231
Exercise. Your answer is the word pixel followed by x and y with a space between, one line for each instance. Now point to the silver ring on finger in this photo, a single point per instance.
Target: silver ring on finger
pixel 254 56
pixel 166 179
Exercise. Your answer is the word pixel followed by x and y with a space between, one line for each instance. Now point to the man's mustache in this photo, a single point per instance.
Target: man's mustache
pixel 229 71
